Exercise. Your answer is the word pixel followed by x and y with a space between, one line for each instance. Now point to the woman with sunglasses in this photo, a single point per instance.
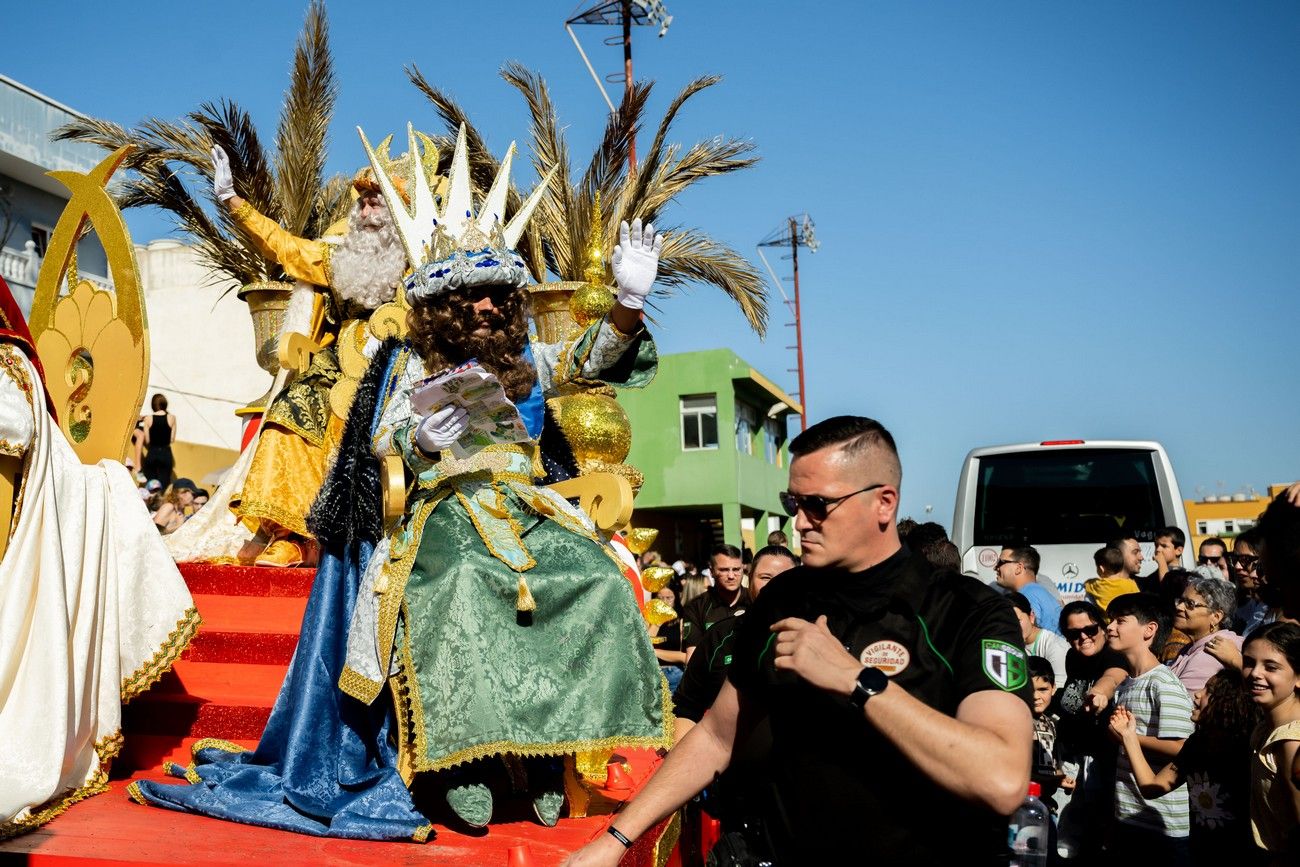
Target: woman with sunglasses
pixel 1092 673
pixel 1203 612
pixel 1251 609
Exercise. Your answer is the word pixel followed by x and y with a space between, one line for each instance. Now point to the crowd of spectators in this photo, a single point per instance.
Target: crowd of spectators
pixel 1166 702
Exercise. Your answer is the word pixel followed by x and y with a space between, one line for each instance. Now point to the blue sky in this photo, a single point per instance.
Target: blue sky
pixel 1038 220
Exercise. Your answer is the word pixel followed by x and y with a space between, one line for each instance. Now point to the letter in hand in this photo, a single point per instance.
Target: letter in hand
pixel 223 182
pixel 636 263
pixel 441 429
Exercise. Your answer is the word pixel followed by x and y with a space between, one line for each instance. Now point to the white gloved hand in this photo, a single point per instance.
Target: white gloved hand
pixel 372 346
pixel 223 182
pixel 636 262
pixel 439 430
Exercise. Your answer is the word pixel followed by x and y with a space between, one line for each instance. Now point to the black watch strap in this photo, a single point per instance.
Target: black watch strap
pixel 871 681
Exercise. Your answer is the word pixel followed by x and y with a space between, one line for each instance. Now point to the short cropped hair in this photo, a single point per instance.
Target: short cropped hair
pixel 855 435
pixel 1173 534
pixel 725 551
pixel 1027 556
pixel 1039 666
pixel 1213 540
pixel 1021 601
pixel 1144 608
pixel 1109 558
pixel 942 554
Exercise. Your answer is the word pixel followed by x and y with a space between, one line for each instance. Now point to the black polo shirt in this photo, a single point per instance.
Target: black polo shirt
pixel 844 788
pixel 706 669
pixel 705 610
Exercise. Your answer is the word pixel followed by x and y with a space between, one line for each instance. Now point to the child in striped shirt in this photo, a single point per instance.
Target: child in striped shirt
pixel 1148 830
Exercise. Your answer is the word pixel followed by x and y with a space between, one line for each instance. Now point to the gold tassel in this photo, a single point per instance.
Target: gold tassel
pixel 526 602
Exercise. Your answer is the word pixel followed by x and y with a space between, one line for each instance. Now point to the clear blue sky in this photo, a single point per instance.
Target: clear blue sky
pixel 1038 220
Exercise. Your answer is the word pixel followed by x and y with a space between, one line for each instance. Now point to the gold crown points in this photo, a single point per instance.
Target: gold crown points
pixel 426 223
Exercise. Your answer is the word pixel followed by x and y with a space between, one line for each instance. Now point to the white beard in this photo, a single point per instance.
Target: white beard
pixel 370 263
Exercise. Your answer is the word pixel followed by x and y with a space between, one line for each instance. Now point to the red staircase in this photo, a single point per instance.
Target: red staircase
pixel 224 686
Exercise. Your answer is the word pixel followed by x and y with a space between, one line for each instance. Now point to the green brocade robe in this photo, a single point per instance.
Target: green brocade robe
pixel 472 676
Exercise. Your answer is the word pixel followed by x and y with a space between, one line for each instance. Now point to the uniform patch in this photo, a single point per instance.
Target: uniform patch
pixel 1004 664
pixel 888 656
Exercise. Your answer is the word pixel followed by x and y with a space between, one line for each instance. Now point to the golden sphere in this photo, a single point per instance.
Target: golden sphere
pixel 595 426
pixel 590 303
pixel 639 539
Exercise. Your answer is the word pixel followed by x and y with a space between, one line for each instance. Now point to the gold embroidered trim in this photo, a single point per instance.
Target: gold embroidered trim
pixel 161 663
pixel 261 511
pixel 327 263
pixel 15 362
pixel 360 687
pixel 243 212
pixel 422 833
pixel 216 744
pixel 106 748
pixel 133 792
pixel 188 772
pixel 667 840
pixel 396 574
pixel 409 693
pixel 487 542
pixel 10 449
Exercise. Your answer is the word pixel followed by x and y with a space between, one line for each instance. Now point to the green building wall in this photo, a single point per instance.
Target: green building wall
pixel 705 485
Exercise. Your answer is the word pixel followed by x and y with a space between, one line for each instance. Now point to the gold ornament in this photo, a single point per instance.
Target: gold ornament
pixel 640 539
pixel 656 578
pixel 659 612
pixel 89 331
pixel 595 425
pixel 591 302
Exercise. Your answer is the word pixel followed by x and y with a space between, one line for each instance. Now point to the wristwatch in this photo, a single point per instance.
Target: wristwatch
pixel 871 681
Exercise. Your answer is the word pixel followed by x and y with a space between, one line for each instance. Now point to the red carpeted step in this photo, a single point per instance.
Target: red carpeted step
pixel 147 752
pixel 234 646
pixel 110 830
pixel 274 614
pixel 207 700
pixel 210 578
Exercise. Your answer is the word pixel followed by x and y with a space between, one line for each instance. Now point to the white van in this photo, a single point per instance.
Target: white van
pixel 1067 498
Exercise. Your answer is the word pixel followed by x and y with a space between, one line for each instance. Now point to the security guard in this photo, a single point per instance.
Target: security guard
pixel 898 697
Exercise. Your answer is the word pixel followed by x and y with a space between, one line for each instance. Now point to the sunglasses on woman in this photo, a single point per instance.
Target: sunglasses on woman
pixel 1073 635
pixel 1245 562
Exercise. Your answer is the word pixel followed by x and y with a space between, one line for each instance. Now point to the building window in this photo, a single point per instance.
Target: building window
pixel 700 421
pixel 41 238
pixel 772 436
pixel 746 424
pixel 1227 526
pixel 1201 528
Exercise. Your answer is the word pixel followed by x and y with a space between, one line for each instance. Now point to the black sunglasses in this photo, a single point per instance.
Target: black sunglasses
pixel 1075 634
pixel 815 506
pixel 1209 561
pixel 1245 562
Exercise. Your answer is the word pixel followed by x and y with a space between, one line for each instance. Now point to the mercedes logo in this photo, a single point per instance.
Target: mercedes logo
pixel 1069 570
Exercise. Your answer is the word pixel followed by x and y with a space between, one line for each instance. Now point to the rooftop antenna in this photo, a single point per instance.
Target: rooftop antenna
pixel 798 231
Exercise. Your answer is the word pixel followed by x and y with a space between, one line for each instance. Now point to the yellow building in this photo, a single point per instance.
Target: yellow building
pixel 1225 516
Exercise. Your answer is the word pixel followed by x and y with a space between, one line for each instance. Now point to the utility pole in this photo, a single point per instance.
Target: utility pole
pixel 624 14
pixel 798 232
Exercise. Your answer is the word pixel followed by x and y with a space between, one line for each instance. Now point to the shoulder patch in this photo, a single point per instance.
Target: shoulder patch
pixel 1004 664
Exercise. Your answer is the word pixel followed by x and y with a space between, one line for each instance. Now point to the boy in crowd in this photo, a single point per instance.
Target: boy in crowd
pixel 1147 827
pixel 1112 579
pixel 1046 767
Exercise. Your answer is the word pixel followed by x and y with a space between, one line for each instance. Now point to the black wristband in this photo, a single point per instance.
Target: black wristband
pixel 618 835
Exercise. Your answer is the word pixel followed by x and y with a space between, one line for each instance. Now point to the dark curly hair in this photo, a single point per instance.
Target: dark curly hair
pixel 442 331
pixel 1229 716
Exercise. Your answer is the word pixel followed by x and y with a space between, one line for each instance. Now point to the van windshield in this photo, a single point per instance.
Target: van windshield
pixel 1067 496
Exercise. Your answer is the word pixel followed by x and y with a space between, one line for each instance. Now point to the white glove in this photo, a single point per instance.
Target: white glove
pixel 438 431
pixel 371 347
pixel 223 182
pixel 636 262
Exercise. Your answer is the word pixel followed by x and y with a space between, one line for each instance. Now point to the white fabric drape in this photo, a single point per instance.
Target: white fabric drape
pixel 92 612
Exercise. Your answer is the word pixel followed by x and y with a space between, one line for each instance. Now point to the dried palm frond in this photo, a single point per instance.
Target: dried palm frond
pixel 304 123
pixel 563 219
pixel 293 193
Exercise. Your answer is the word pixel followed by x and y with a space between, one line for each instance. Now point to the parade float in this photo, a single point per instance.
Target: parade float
pixel 223 690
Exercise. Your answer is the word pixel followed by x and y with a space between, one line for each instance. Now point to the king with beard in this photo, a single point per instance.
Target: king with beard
pixel 336 283
pixel 496 609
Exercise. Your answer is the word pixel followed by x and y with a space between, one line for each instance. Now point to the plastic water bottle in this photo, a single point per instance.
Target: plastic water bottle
pixel 1028 833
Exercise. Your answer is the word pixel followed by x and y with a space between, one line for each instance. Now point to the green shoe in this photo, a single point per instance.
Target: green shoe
pixel 547 806
pixel 472 803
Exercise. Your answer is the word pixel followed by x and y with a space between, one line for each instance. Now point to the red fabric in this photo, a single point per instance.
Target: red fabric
pixel 13 327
